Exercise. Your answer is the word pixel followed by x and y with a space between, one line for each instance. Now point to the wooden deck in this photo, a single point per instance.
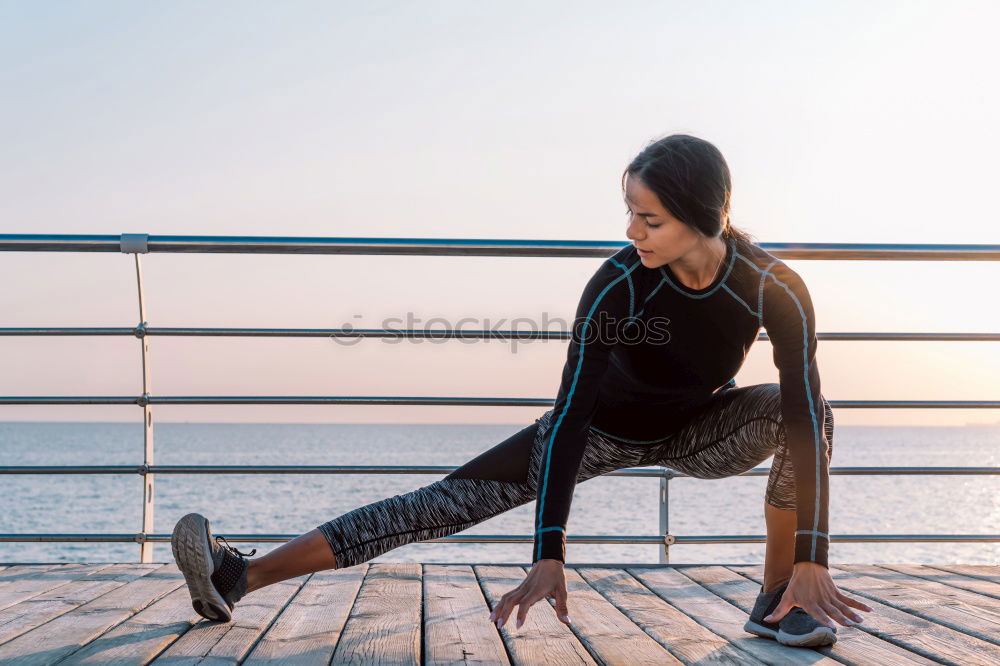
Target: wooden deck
pixel 439 613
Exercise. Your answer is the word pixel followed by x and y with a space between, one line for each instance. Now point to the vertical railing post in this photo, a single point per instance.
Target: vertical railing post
pixel 665 514
pixel 138 244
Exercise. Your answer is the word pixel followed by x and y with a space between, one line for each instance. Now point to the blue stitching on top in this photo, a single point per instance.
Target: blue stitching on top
pixel 569 400
pixel 631 288
pixel 549 529
pixel 651 294
pixel 822 534
pixel 749 309
pixel 805 373
pixel 760 294
pixel 760 287
pixel 812 408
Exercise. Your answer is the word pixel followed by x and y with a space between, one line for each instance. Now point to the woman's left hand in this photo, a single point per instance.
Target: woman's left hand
pixel 812 588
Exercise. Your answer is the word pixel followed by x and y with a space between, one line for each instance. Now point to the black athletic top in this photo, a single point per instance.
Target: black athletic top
pixel 647 352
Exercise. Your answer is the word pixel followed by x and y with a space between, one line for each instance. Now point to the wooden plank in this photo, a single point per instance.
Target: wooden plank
pixel 231 641
pixel 720 617
pixel 36 579
pixel 26 585
pixel 686 639
pixel 605 631
pixel 308 630
pixel 891 588
pixel 457 626
pixel 385 620
pixel 70 631
pixel 76 605
pixel 17 571
pixel 22 568
pixel 548 640
pixel 42 608
pixel 852 646
pixel 916 634
pixel 983 571
pixel 141 637
pixel 981 587
pixel 911 577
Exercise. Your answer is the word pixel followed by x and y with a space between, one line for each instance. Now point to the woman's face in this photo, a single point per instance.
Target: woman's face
pixel 652 228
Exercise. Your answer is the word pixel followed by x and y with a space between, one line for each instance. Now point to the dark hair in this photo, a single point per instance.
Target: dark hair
pixel 691 178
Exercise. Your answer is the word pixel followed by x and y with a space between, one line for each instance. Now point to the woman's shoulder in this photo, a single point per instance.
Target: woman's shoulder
pixel 615 282
pixel 769 268
pixel 624 261
pixel 624 266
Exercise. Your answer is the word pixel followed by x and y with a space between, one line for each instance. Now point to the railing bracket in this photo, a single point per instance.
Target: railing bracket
pixel 132 243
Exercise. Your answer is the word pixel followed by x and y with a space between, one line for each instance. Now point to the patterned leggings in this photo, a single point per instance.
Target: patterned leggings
pixel 739 429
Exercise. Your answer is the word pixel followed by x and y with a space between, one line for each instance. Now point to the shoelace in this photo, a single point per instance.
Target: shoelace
pixel 233 549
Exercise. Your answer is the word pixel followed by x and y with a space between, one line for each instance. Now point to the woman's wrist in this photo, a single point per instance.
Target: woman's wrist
pixel 807 564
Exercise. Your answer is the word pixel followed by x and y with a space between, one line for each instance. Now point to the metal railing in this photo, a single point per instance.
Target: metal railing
pixel 137 244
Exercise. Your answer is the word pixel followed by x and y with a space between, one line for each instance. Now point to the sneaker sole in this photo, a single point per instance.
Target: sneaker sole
pixel 818 636
pixel 760 630
pixel 193 554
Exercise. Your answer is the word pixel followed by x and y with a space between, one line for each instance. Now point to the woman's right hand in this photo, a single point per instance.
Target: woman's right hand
pixel 546 580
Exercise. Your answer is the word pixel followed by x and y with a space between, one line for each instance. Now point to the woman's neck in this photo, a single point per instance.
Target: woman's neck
pixel 699 267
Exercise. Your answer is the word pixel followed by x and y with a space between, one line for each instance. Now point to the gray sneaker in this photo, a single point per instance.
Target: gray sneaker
pixel 216 574
pixel 800 629
pixel 766 602
pixel 797 628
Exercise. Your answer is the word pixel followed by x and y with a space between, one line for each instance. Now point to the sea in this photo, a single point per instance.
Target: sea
pixel 296 503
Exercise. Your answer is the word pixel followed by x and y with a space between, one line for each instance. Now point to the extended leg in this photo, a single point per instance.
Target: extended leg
pixel 496 481
pixel 471 494
pixel 304 554
pixel 313 551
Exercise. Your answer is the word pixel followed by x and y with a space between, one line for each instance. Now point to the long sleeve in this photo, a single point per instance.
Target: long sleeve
pixel 605 303
pixel 790 324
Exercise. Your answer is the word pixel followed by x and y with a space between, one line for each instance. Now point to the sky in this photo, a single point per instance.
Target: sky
pixel 849 122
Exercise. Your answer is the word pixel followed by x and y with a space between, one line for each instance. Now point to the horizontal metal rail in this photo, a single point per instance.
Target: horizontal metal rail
pixel 654 472
pixel 649 472
pixel 437 334
pixel 518 538
pixel 143 243
pixel 418 400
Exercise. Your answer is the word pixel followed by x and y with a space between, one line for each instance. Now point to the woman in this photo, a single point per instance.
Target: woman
pixel 661 329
